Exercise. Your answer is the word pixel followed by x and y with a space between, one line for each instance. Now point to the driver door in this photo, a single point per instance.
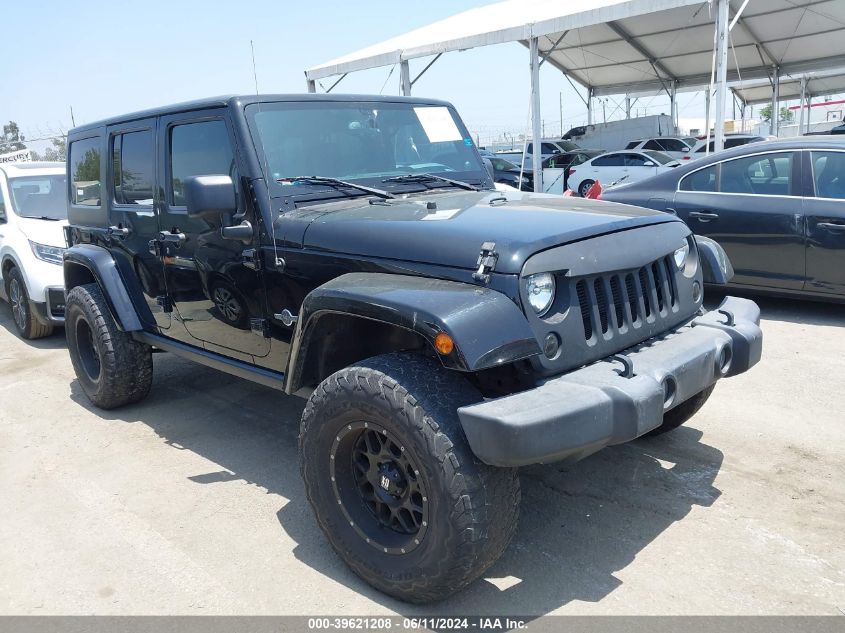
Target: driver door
pixel 213 284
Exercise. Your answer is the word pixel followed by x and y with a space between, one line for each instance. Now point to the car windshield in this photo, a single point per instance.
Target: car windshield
pixel 39 196
pixel 361 142
pixel 660 157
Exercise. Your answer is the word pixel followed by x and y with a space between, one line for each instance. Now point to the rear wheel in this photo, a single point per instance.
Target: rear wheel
pixel 584 187
pixel 113 368
pixel 393 482
pixel 674 418
pixel 25 322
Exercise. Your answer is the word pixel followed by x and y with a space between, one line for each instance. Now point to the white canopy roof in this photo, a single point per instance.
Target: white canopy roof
pixel 622 46
pixel 820 84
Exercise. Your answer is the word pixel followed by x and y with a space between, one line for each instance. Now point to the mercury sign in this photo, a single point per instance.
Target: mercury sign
pixel 22 156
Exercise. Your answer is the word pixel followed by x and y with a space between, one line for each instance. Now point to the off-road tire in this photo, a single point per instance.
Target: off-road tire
pixel 26 324
pixel 473 508
pixel 674 418
pixel 113 368
pixel 584 187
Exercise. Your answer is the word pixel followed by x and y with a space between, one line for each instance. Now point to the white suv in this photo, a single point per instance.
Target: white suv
pixel 675 146
pixel 33 214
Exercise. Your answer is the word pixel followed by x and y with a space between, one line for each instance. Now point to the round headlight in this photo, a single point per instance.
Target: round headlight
pixel 541 292
pixel 681 255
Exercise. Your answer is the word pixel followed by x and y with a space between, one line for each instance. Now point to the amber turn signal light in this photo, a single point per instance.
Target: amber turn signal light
pixel 444 343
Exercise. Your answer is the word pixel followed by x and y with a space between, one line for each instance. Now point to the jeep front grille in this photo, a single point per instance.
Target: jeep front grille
pixel 614 303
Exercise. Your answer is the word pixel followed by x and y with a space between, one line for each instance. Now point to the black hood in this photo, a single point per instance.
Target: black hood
pixel 452 233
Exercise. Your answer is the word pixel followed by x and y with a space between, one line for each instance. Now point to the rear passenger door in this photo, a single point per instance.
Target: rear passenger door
pixel 824 210
pixel 752 207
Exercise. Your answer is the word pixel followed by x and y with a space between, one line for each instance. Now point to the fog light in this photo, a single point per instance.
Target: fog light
pixel 696 291
pixel 551 346
pixel 444 343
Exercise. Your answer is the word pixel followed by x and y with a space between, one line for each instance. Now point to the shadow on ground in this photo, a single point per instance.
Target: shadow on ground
pixel 579 524
pixel 55 341
pixel 787 310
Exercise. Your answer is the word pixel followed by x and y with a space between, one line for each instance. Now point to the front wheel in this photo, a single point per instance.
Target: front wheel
pixel 27 325
pixel 393 482
pixel 674 418
pixel 113 368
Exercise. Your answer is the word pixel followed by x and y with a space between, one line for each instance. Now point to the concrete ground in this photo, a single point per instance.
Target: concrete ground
pixel 191 502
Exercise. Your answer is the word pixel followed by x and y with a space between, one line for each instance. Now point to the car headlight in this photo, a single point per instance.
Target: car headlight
pixel 680 256
pixel 541 292
pixel 51 254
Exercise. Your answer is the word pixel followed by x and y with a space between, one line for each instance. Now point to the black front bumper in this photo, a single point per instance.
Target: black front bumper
pixel 617 399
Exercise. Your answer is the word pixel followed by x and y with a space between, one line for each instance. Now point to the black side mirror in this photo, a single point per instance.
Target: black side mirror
pixel 489 165
pixel 209 196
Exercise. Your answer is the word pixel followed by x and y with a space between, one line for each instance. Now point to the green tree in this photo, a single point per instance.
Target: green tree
pixel 785 115
pixel 12 139
pixel 59 150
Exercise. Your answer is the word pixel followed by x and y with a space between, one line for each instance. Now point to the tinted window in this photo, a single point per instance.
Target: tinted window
pixel 671 145
pixel 767 174
pixel 550 148
pixel 636 160
pixel 132 168
pixel 198 149
pixel 85 172
pixel 829 174
pixel 609 160
pixel 736 142
pixel 500 164
pixel 652 144
pixel 659 157
pixel 632 144
pixel 701 180
pixel 703 148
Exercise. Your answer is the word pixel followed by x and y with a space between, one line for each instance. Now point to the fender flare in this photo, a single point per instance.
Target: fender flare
pixel 716 267
pixel 104 269
pixel 488 328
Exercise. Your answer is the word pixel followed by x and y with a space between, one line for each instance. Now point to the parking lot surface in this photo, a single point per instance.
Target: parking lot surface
pixel 191 502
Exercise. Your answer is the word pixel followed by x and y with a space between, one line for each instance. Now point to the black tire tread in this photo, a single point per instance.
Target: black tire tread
pixel 484 500
pixel 34 328
pixel 126 366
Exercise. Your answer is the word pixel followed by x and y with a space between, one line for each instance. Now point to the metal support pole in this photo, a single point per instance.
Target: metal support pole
pixel 627 107
pixel 560 104
pixel 803 98
pixel 775 101
pixel 537 154
pixel 589 106
pixel 809 110
pixel 405 78
pixel 310 85
pixel 721 75
pixel 707 113
pixel 673 106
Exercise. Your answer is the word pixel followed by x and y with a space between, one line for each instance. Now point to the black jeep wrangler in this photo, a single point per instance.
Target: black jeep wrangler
pixel 353 250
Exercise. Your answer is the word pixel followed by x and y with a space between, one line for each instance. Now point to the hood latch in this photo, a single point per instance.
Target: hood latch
pixel 486 262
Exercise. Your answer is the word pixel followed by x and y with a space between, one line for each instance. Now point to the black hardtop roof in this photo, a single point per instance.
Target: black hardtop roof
pixel 244 100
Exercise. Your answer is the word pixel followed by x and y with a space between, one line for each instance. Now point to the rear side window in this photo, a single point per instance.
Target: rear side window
pixel 132 166
pixel 654 145
pixel 766 174
pixel 672 145
pixel 829 174
pixel 85 172
pixel 198 149
pixel 632 145
pixel 701 180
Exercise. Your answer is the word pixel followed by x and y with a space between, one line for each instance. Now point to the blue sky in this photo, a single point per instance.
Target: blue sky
pixel 106 58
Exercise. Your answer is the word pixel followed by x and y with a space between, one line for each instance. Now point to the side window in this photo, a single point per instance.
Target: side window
pixel 550 148
pixel 767 174
pixel 652 144
pixel 635 160
pixel 703 148
pixel 701 180
pixel 673 145
pixel 609 160
pixel 632 145
pixel 2 207
pixel 198 149
pixel 829 174
pixel 530 148
pixel 132 168
pixel 85 172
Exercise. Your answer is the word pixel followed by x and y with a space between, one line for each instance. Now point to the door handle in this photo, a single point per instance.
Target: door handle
pixel 703 216
pixel 176 239
pixel 831 226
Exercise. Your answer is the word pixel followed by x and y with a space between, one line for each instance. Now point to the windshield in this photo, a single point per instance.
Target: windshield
pixel 361 142
pixel 660 157
pixel 39 196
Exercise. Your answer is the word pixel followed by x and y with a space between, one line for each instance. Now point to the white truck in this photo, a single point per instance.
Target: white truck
pixel 33 214
pixel 615 135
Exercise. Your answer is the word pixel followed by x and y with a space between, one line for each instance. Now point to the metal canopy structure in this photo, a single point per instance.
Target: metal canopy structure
pixel 630 46
pixel 819 84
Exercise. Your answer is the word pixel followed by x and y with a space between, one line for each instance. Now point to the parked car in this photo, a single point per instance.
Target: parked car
pixel 548 149
pixel 627 166
pixel 443 333
pixel 776 207
pixel 731 140
pixel 506 173
pixel 568 159
pixel 33 215
pixel 673 146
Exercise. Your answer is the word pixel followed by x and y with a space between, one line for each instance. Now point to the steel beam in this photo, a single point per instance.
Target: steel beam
pixel 775 101
pixel 405 78
pixel 536 134
pixel 642 50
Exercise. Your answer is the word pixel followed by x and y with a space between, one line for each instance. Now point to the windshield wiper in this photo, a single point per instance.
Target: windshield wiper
pixel 334 182
pixel 428 177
